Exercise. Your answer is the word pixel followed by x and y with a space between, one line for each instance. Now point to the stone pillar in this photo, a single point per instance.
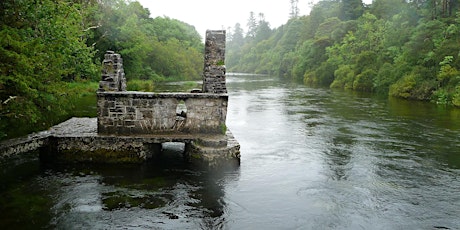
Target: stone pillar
pixel 214 62
pixel 113 75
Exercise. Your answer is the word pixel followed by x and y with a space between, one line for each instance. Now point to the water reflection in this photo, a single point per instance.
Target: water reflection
pixel 338 157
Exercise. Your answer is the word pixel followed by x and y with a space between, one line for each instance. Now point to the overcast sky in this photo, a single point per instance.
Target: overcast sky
pixel 220 14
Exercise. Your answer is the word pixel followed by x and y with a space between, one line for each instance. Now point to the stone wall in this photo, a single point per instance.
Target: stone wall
pixel 126 113
pixel 214 62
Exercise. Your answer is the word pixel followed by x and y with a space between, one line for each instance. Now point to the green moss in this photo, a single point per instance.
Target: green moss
pixel 99 155
pixel 223 128
pixel 196 156
pixel 220 63
pixel 120 200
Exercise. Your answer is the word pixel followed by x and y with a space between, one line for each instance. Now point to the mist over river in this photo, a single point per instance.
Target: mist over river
pixel 311 158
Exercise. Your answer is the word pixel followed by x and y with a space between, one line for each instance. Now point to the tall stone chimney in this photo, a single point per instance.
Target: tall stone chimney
pixel 113 75
pixel 214 62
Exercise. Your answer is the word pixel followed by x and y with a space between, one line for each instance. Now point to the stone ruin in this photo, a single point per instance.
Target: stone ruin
pixel 130 124
pixel 214 62
pixel 121 112
pixel 113 75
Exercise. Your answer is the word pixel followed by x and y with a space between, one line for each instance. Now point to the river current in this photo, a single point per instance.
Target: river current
pixel 311 158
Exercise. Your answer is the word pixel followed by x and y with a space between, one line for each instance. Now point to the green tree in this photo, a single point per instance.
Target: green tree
pixel 404 49
pixel 42 44
pixel 252 25
pixel 351 9
pixel 294 9
pixel 263 30
pixel 234 46
pixel 46 44
pixel 126 27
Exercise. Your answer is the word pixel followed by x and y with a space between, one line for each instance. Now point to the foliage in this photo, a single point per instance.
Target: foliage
pixel 344 77
pixel 406 49
pixel 51 50
pixel 456 97
pixel 41 44
pixel 154 49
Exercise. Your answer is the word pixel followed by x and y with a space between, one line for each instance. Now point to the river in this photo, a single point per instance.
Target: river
pixel 311 158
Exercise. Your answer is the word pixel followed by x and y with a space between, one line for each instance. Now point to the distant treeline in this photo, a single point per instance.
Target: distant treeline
pixel 407 49
pixel 50 48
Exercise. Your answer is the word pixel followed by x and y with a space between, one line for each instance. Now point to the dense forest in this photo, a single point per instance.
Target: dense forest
pixel 51 50
pixel 407 49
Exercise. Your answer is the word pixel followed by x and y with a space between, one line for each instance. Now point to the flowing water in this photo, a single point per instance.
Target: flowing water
pixel 311 158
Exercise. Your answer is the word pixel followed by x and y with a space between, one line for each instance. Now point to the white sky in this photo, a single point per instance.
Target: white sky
pixel 221 14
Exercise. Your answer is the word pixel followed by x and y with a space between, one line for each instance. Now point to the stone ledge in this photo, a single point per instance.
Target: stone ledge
pixel 77 140
pixel 150 95
pixel 32 142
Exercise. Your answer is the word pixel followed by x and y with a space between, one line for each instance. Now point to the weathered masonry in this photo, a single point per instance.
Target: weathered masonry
pixel 113 74
pixel 130 113
pixel 214 63
pixel 130 125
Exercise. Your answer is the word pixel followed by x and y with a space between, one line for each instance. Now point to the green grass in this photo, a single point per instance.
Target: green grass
pixel 82 88
pixel 140 85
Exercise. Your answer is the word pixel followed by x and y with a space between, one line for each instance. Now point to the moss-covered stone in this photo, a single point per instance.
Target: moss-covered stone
pixel 99 156
pixel 120 200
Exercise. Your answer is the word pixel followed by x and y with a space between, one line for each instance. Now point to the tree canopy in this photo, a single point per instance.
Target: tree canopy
pixel 406 49
pixel 46 45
